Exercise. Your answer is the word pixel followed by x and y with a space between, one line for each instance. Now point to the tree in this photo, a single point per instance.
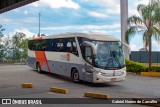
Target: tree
pixel 1 45
pixel 1 52
pixel 24 49
pixel 17 40
pixel 1 32
pixel 148 24
pixel 7 48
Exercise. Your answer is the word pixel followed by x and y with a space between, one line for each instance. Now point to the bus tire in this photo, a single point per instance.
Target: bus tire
pixel 38 67
pixel 75 76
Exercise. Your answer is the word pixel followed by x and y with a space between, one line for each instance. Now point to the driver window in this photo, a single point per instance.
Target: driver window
pixel 87 54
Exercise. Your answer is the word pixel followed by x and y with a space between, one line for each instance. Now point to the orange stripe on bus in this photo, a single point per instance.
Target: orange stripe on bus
pixel 47 63
pixel 41 58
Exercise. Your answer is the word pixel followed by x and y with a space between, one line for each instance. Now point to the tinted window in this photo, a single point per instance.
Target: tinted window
pixel 59 45
pixel 38 45
pixel 31 45
pixel 70 45
pixel 51 45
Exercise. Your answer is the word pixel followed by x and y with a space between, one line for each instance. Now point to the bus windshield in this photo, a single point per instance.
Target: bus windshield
pixel 109 55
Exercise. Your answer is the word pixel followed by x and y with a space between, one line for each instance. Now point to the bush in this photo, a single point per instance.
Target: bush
pixel 135 67
pixel 154 68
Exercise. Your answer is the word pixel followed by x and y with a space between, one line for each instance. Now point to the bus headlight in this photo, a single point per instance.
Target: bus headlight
pixel 99 73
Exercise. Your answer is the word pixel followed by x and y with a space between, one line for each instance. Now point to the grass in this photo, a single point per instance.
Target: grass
pixel 12 63
pixel 153 64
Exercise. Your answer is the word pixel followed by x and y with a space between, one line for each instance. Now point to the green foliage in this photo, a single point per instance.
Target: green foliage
pixel 14 49
pixel 19 43
pixel 154 68
pixel 1 32
pixel 1 45
pixel 24 47
pixel 146 23
pixel 135 67
pixel 1 51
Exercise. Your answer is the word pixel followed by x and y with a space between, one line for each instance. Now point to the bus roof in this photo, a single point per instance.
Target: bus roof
pixel 92 36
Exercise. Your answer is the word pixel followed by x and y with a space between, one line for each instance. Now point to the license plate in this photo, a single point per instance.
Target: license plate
pixel 113 79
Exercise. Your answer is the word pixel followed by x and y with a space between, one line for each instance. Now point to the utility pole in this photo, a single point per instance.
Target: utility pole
pixel 124 27
pixel 39 34
pixel 124 16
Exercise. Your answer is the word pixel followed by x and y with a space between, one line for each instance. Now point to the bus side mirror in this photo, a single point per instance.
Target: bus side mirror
pixel 86 43
pixel 126 50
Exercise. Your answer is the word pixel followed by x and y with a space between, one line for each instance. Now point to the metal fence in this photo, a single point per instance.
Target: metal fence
pixel 142 56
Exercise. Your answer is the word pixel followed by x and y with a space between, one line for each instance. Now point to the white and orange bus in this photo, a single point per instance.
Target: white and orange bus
pixel 91 57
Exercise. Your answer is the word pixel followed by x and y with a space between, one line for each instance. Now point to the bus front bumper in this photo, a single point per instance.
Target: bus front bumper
pixel 98 78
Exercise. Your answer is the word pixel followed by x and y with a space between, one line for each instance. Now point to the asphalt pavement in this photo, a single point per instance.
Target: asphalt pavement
pixel 12 76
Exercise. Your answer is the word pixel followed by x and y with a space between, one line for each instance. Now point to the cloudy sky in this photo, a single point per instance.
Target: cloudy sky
pixel 58 16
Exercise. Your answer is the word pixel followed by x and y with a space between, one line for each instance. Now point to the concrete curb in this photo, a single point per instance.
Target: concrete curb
pixel 59 90
pixel 151 74
pixel 96 95
pixel 27 85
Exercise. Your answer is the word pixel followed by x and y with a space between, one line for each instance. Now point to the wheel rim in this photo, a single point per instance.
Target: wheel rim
pixel 76 76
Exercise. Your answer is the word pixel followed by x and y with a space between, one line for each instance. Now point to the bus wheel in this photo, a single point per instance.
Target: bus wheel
pixel 38 67
pixel 75 75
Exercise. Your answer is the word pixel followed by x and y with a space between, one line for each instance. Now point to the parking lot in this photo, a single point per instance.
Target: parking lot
pixel 12 76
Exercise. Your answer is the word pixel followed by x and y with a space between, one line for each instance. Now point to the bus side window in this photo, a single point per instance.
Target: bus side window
pixel 71 47
pixel 60 46
pixel 87 54
pixel 51 45
pixel 68 46
pixel 74 48
pixel 44 45
pixel 31 45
